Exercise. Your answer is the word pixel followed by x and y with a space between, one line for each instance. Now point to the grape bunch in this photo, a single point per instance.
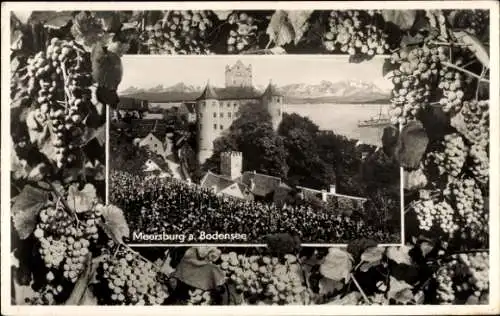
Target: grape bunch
pixel 268 279
pixel 473 121
pixel 199 297
pixel 132 280
pixel 467 198
pixel 63 241
pixel 356 32
pixel 436 215
pixel 179 32
pixel 445 289
pixel 451 84
pixel 243 33
pixel 60 82
pixel 413 81
pixel 453 157
pixel 480 163
pixel 472 273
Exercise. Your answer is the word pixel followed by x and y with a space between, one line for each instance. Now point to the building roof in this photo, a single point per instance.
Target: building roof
pixel 271 90
pixel 143 127
pixel 263 184
pixel 214 180
pixel 208 93
pixel 158 160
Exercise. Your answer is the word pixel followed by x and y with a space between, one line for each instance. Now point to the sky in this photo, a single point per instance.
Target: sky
pixel 148 71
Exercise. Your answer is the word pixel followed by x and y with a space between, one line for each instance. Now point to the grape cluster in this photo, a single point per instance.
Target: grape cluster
pixel 436 215
pixel 452 85
pixel 353 32
pixel 199 297
pixel 467 198
pixel 413 81
pixel 179 32
pixel 445 290
pixel 63 241
pixel 243 34
pixel 473 122
pixel 452 159
pixel 472 272
pixel 132 280
pixel 272 281
pixel 480 163
pixel 60 80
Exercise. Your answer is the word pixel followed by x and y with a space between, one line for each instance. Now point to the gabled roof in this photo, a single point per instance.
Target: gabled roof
pixel 271 90
pixel 208 93
pixel 159 161
pixel 212 180
pixel 263 184
pixel 128 103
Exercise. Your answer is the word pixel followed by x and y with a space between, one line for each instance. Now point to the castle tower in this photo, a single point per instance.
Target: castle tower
pixel 239 75
pixel 207 110
pixel 231 164
pixel 273 101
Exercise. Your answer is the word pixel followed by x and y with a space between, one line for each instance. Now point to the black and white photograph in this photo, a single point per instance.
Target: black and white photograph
pixel 246 158
pixel 230 150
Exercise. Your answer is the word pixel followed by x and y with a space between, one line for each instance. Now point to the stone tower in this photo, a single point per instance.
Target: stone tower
pixel 207 109
pixel 273 101
pixel 231 164
pixel 239 75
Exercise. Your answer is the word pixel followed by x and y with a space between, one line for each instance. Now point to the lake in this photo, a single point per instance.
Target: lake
pixel 343 118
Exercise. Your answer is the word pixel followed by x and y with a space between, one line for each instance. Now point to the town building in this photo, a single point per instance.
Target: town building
pixel 248 185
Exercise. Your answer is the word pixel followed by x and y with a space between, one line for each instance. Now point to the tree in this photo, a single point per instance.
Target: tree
pixel 307 168
pixel 252 134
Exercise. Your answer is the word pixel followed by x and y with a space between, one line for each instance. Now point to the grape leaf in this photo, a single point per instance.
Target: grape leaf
pixel 328 286
pixel 52 19
pixel 372 254
pixel 82 200
pixel 411 145
pixel 298 19
pixel 22 16
pixel 475 46
pixel 38 172
pixel 223 14
pixel 107 68
pixel 352 298
pixel 280 29
pixel 402 18
pixel 81 294
pixel 87 29
pixel 337 265
pixel 19 167
pixel 277 50
pixel 198 273
pixel 358 246
pixel 110 20
pixel 399 254
pixel 115 224
pixel 25 209
pixel 400 291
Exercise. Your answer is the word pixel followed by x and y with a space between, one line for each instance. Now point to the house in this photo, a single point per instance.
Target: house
pixel 222 185
pixel 188 110
pixel 248 185
pixel 155 165
pixel 153 144
pixel 340 201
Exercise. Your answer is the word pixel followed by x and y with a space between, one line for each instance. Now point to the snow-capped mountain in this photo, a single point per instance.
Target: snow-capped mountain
pixel 325 91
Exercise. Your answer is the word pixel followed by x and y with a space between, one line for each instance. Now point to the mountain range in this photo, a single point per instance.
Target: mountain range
pixel 347 91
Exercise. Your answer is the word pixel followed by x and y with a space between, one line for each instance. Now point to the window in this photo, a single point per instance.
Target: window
pixel 222 127
pixel 221 114
pixel 229 114
pixel 228 104
pixel 214 103
pixel 215 126
pixel 215 114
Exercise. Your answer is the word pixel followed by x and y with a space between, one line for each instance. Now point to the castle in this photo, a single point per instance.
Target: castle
pixel 217 109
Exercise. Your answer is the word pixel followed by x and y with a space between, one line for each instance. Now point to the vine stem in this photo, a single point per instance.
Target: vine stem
pixel 450 65
pixel 483 73
pixel 360 289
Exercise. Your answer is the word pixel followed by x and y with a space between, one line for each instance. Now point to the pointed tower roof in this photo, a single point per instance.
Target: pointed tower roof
pixel 208 93
pixel 271 90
